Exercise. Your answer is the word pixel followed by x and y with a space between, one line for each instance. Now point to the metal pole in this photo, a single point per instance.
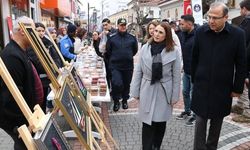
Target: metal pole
pixel 88 17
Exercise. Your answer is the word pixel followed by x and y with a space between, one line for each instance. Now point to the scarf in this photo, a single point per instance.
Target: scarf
pixel 156 49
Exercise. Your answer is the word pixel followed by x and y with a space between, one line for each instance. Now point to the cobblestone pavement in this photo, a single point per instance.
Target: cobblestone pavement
pixel 126 130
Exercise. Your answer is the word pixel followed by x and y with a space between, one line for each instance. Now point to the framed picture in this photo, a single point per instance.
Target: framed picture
pixel 51 137
pixel 70 105
pixel 79 82
pixel 43 55
pixel 85 102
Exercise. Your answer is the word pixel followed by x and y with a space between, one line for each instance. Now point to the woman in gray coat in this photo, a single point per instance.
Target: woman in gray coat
pixel 156 84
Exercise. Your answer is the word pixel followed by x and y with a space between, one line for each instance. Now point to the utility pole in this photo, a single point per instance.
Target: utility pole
pixel 88 17
pixel 102 9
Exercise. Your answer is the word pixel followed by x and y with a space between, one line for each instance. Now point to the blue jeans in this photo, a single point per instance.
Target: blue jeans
pixel 187 91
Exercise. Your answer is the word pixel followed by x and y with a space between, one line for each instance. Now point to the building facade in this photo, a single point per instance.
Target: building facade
pixel 137 9
pixel 171 10
pixel 50 12
pixel 122 14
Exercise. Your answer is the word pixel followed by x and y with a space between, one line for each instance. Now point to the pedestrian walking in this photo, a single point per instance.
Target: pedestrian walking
pixel 188 29
pixel 218 73
pixel 156 84
pixel 121 47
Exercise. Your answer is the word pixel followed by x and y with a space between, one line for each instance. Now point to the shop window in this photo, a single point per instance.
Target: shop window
pixel 19 8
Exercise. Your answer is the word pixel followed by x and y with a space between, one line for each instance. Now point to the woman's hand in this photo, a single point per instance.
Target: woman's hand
pixel 173 103
pixel 135 98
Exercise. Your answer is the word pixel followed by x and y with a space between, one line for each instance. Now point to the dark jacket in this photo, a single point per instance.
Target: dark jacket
pixel 121 47
pixel 245 25
pixel 187 41
pixel 21 71
pixel 218 69
pixel 96 47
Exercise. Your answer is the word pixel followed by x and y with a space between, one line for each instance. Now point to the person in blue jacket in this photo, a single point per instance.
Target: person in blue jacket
pixel 67 43
pixel 120 49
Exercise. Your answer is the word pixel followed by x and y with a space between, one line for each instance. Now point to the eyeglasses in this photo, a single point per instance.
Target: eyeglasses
pixel 214 18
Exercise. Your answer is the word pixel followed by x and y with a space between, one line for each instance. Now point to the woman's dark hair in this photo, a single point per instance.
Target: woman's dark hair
pixel 80 32
pixel 168 38
pixel 39 24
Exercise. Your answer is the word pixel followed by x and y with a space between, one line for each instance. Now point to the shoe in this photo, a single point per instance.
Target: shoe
pixel 116 106
pixel 124 104
pixel 241 119
pixel 183 115
pixel 190 122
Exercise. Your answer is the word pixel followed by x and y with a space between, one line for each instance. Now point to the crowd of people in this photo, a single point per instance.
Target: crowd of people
pixel 214 58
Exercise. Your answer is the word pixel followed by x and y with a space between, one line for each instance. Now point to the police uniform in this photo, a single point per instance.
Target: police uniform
pixel 121 47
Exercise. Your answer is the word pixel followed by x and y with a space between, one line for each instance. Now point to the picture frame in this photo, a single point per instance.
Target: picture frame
pixel 43 55
pixel 51 137
pixel 68 102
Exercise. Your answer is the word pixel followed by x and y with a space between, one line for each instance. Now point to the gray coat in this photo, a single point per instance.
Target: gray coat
pixel 155 100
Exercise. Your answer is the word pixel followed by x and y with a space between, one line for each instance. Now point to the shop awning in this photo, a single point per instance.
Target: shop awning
pixel 59 8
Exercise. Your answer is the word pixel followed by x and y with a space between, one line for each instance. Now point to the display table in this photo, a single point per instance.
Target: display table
pixel 91 70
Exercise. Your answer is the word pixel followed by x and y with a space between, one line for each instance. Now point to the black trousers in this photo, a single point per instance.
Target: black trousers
pixel 210 142
pixel 108 73
pixel 152 135
pixel 120 82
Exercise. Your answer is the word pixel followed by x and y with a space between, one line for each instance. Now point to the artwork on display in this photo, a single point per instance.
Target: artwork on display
pixel 43 55
pixel 51 137
pixel 79 82
pixel 75 115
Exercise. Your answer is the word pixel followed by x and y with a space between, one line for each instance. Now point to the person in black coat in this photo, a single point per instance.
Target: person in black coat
pixel 121 47
pixel 188 29
pixel 218 72
pixel 22 72
pixel 245 25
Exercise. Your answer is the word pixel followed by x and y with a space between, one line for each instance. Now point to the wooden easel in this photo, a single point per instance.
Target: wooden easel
pixel 94 116
pixel 44 57
pixel 37 120
pixel 57 49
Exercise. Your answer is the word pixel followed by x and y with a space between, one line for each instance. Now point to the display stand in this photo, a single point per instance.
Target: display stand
pixel 44 57
pixel 68 102
pixel 37 120
pixel 95 118
pixel 70 99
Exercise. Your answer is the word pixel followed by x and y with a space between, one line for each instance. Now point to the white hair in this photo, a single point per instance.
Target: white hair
pixel 22 19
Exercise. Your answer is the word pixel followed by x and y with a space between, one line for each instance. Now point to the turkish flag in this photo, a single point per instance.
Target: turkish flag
pixel 187 7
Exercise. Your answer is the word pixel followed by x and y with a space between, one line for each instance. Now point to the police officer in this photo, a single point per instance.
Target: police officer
pixel 67 43
pixel 120 49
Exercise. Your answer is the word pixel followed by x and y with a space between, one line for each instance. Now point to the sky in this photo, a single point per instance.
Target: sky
pixel 92 3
